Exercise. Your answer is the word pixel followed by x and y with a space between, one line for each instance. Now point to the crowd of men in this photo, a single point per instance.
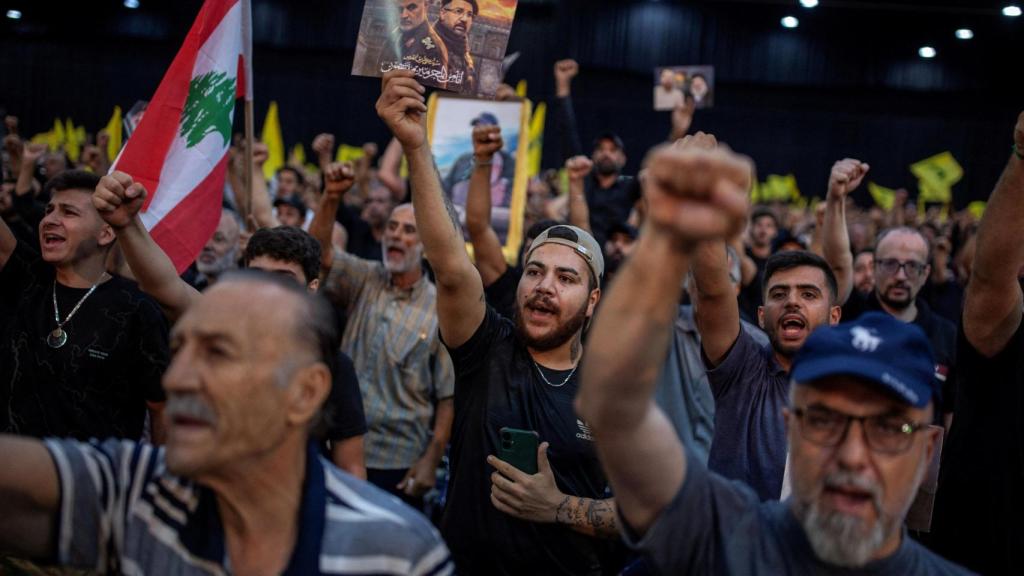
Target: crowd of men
pixel 667 380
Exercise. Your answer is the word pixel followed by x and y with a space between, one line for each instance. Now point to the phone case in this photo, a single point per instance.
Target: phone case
pixel 519 448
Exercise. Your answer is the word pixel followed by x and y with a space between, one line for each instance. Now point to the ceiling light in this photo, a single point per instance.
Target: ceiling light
pixel 927 52
pixel 790 22
pixel 965 34
pixel 1012 11
pixel 14 14
pixel 133 4
pixel 808 3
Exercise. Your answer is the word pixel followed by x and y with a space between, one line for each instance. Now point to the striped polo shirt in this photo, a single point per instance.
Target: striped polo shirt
pixel 122 512
pixel 393 340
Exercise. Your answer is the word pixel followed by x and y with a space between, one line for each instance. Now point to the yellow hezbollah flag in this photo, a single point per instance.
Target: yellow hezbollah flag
pixel 884 197
pixel 347 153
pixel 931 193
pixel 113 130
pixel 297 157
pixel 940 172
pixel 778 189
pixel 271 136
pixel 521 89
pixel 535 150
pixel 73 146
pixel 977 208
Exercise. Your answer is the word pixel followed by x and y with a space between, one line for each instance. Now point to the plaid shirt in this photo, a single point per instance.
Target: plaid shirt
pixel 393 340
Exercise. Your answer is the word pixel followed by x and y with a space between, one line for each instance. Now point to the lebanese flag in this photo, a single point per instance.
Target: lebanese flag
pixel 179 150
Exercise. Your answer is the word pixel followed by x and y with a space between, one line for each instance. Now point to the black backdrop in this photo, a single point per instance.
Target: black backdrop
pixel 848 82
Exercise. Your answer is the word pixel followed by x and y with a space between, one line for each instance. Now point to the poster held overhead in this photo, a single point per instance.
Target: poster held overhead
pixel 673 85
pixel 454 45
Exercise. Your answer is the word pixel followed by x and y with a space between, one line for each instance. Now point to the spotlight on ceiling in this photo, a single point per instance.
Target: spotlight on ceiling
pixel 808 3
pixel 133 4
pixel 927 52
pixel 965 34
pixel 14 14
pixel 790 22
pixel 1011 11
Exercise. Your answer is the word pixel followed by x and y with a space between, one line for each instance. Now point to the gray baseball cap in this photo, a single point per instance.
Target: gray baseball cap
pixel 579 240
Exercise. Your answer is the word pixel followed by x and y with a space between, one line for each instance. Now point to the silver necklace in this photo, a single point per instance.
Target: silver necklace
pixel 59 337
pixel 545 378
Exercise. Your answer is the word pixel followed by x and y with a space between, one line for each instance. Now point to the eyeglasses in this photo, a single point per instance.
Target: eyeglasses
pixel 459 12
pixel 891 266
pixel 885 434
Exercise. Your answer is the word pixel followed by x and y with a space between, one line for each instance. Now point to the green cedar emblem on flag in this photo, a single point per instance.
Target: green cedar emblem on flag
pixel 211 98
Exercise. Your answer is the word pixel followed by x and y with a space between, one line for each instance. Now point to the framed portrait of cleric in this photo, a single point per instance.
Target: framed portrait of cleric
pixel 673 85
pixel 450 123
pixel 454 45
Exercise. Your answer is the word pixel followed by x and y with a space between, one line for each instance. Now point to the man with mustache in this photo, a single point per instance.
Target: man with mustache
pixel 391 334
pixel 509 373
pixel 239 487
pixel 81 350
pixel 415 45
pixel 453 25
pixel 220 253
pixel 856 417
pixel 901 269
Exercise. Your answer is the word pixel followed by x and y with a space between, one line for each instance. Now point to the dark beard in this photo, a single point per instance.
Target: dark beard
pixel 897 304
pixel 607 168
pixel 561 335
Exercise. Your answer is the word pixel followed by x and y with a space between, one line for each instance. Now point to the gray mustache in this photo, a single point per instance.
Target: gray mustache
pixel 844 479
pixel 189 406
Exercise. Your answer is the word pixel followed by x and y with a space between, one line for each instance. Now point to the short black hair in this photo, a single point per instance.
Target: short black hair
pixel 287 244
pixel 476 7
pixel 764 211
pixel 71 180
pixel 293 170
pixel 788 260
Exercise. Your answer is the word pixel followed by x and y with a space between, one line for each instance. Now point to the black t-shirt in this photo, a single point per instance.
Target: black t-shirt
pixel 361 241
pixel 752 295
pixel 497 385
pixel 979 508
pixel 502 294
pixel 941 335
pixel 96 385
pixel 610 205
pixel 344 404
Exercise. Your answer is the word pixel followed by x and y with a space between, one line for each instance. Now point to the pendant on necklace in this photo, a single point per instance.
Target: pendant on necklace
pixel 57 338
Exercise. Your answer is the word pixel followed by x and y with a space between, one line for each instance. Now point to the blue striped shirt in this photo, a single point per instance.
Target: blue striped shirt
pixel 121 511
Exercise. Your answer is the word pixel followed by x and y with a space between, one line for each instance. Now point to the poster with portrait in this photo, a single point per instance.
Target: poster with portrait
pixel 450 123
pixel 674 84
pixel 454 45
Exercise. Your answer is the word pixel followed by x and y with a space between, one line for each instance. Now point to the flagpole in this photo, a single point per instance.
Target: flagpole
pixel 249 128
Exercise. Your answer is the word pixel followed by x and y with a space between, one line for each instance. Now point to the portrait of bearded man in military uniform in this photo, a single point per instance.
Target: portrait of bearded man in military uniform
pixel 416 45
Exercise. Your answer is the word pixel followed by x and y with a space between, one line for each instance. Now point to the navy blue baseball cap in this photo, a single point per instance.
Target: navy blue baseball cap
pixel 485 118
pixel 876 347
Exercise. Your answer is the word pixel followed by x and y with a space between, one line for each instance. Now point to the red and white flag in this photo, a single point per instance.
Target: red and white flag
pixel 179 151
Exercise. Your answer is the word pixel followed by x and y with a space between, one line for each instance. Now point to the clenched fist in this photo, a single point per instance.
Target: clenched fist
pixel 323 144
pixel 566 70
pixel 846 176
pixel 338 179
pixel 402 106
pixel 578 167
pixel 118 199
pixel 486 141
pixel 698 195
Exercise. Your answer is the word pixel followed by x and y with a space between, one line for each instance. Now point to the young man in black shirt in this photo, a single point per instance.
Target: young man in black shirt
pixel 83 350
pixel 980 502
pixel 517 375
pixel 287 251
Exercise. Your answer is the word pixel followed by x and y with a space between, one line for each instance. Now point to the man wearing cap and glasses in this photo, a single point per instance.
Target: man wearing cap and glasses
pixel 856 423
pixel 510 374
pixel 501 165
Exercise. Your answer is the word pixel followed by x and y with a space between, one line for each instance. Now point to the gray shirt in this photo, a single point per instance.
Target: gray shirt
pixel 683 392
pixel 717 526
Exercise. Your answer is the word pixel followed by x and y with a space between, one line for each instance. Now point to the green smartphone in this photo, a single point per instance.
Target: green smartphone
pixel 519 448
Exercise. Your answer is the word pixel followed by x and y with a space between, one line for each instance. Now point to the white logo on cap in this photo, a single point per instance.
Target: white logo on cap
pixel 864 339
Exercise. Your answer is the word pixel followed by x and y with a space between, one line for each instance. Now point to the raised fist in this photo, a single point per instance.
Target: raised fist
pixel 698 195
pixel 698 141
pixel 403 108
pixel 846 176
pixel 370 150
pixel 260 153
pixel 566 70
pixel 13 145
pixel 338 179
pixel 11 123
pixel 102 139
pixel 487 141
pixel 33 152
pixel 118 199
pixel 578 167
pixel 93 157
pixel 323 144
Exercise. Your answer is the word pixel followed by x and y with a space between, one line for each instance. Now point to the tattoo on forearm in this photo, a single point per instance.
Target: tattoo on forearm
pixel 591 517
pixel 448 206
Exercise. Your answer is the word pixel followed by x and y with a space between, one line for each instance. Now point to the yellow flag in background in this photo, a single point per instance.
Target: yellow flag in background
pixel 72 143
pixel 778 189
pixel 297 157
pixel 521 89
pixel 977 208
pixel 940 172
pixel 271 136
pixel 114 131
pixel 930 193
pixel 347 153
pixel 884 197
pixel 57 137
pixel 536 147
